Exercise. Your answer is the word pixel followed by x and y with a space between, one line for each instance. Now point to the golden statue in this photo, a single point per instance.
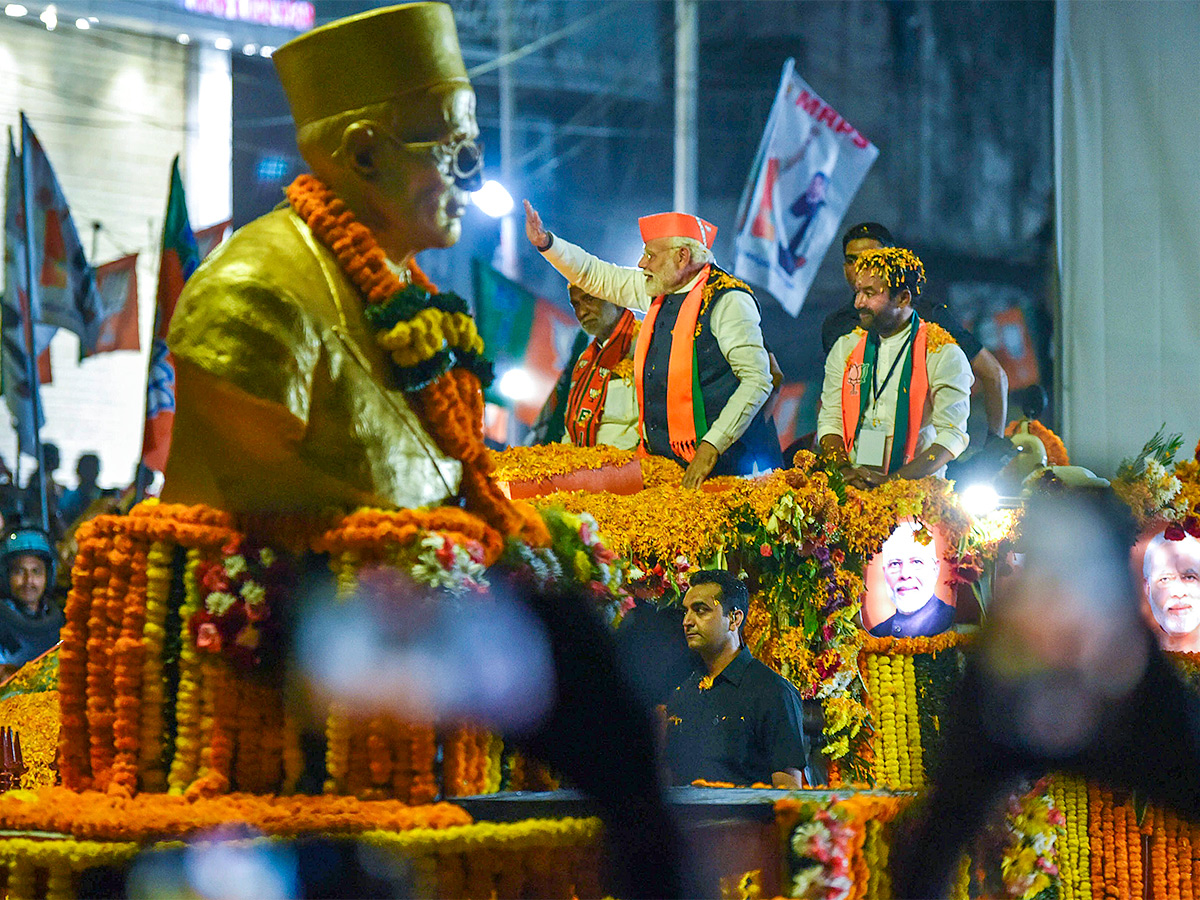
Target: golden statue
pixel 290 396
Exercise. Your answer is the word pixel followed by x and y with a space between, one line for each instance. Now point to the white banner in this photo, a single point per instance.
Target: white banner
pixel 808 168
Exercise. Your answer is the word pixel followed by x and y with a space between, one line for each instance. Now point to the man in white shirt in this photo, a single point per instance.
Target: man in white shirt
pixel 601 405
pixel 897 389
pixel 701 387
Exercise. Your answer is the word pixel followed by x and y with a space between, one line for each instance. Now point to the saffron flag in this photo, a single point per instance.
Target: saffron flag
pixel 180 256
pixel 17 329
pixel 809 166
pixel 65 292
pixel 118 286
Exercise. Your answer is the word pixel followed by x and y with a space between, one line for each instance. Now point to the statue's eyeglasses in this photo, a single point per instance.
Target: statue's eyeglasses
pixel 462 160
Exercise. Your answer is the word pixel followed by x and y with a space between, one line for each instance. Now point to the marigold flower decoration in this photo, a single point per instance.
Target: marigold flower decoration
pixel 894 265
pixel 433 343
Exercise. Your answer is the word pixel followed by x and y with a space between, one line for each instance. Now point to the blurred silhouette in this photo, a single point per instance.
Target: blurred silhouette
pixel 538 662
pixel 1066 677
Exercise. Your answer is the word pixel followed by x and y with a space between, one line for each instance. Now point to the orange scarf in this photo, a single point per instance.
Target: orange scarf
pixel 852 386
pixel 589 384
pixel 685 405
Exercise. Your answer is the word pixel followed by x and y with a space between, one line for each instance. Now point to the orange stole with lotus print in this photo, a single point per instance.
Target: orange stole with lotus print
pixel 917 392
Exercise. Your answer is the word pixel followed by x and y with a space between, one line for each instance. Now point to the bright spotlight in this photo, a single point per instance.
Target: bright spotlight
pixel 517 385
pixel 16 10
pixel 184 39
pixel 83 24
pixel 250 50
pixel 49 17
pixel 265 51
pixel 223 44
pixel 493 199
pixel 980 499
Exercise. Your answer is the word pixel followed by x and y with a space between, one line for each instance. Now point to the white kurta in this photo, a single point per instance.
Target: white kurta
pixel 735 323
pixel 944 420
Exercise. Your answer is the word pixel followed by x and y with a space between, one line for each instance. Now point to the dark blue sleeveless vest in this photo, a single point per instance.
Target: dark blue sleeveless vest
pixel 759 445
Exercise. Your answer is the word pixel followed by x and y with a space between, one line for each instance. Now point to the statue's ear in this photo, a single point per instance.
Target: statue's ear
pixel 358 148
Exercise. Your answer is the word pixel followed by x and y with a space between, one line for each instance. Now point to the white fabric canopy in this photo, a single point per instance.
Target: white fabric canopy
pixel 1127 172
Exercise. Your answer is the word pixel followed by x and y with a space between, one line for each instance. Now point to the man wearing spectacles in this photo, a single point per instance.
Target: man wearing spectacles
pixel 701 370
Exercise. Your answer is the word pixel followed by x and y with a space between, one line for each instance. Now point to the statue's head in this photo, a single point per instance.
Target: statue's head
pixel 385 116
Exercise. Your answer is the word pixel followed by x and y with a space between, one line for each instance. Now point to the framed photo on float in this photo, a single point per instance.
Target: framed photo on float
pixel 909 592
pixel 1166 566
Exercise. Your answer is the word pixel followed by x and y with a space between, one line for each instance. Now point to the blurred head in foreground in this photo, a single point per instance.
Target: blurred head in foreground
pixel 1064 639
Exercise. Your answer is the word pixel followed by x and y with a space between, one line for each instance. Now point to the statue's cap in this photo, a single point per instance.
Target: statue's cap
pixel 370 58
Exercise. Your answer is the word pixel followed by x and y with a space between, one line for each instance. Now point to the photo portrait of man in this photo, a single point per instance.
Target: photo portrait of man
pixel 911 574
pixel 1171 570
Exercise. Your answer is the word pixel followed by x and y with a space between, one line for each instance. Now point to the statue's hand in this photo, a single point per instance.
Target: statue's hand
pixel 538 236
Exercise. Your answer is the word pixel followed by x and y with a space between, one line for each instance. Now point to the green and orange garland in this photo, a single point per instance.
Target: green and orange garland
pixel 434 344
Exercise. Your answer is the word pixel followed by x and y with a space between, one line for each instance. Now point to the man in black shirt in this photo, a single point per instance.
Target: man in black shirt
pixel 733 719
pixel 989 374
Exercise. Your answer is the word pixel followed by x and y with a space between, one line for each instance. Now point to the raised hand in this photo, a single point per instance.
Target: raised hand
pixel 538 236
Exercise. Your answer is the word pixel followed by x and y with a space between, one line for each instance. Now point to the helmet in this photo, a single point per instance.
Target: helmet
pixel 29 540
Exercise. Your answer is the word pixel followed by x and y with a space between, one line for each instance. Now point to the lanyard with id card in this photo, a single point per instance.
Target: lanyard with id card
pixel 870 442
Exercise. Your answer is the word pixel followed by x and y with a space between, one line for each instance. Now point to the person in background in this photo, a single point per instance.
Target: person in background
pixel 29 621
pixel 51 459
pixel 601 406
pixel 989 374
pixel 79 498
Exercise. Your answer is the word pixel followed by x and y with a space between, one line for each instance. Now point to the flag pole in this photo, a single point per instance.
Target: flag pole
pixel 35 399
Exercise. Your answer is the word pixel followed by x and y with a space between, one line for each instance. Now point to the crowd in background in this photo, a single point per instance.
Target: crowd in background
pixel 37 550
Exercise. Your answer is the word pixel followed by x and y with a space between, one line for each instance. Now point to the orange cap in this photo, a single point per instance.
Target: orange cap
pixel 674 224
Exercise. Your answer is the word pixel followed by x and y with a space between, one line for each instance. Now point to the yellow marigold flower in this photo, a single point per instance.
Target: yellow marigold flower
pixel 219 602
pixel 235 565
pixel 892 264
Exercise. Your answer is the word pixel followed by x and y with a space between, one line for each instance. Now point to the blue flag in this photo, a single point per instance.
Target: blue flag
pixel 64 287
pixel 17 328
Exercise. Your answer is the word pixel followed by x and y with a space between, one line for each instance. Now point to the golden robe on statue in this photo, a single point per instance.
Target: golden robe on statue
pixel 283 399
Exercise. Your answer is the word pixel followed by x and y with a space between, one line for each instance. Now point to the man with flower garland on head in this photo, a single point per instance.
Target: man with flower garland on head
pixel 897 389
pixel 701 370
pixel 990 376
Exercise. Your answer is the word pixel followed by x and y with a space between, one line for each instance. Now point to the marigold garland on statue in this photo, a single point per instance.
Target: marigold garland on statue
pixel 444 386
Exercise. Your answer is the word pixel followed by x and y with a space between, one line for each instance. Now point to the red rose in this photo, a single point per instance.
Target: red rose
pixel 215 579
pixel 1192 526
pixel 208 637
pixel 765 550
pixel 1174 532
pixel 445 553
